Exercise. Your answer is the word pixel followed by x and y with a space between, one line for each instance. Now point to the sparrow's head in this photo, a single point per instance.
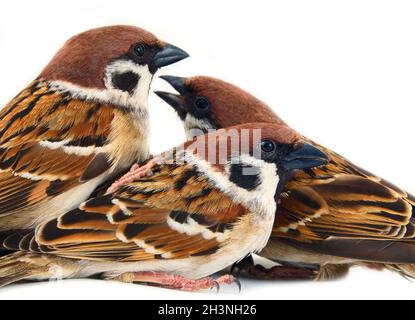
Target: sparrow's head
pixel 204 103
pixel 252 161
pixel 120 60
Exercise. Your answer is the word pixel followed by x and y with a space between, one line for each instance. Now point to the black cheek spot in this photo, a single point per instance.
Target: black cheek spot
pixel 125 81
pixel 245 176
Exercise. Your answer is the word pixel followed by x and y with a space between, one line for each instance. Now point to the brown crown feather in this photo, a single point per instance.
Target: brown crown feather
pixel 278 133
pixel 83 58
pixel 230 104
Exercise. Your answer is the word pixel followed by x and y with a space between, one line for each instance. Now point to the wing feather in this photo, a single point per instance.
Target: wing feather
pixel 47 140
pixel 340 206
pixel 138 223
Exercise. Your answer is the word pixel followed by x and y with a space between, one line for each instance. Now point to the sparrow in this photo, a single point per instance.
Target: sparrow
pixel 71 128
pixel 208 204
pixel 329 217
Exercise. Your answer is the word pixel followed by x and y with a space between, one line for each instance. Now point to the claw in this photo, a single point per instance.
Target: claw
pixel 216 286
pixel 238 283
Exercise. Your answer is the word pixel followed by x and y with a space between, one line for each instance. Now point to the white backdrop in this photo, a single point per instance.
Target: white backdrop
pixel 341 72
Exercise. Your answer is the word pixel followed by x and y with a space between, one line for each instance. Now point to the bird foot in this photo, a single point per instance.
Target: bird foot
pixel 136 172
pixel 259 272
pixel 172 281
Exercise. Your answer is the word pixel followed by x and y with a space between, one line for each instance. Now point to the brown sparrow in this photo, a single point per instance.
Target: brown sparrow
pixel 72 128
pixel 207 205
pixel 328 217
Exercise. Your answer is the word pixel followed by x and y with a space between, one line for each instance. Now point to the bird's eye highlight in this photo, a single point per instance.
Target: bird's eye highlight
pixel 202 103
pixel 139 50
pixel 268 146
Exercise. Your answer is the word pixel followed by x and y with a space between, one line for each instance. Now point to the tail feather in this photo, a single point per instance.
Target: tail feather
pixel 4 252
pixel 20 266
pixel 14 278
pixel 405 270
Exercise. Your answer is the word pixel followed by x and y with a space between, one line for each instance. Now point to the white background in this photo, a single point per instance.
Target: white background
pixel 341 72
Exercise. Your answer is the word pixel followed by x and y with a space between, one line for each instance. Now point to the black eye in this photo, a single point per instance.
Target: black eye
pixel 202 103
pixel 139 50
pixel 268 146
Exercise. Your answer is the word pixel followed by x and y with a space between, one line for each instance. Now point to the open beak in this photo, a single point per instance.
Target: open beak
pixel 169 55
pixel 174 100
pixel 177 101
pixel 306 157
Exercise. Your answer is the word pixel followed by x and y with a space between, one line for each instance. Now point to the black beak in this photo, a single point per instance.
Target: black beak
pixel 178 83
pixel 306 157
pixel 169 55
pixel 174 100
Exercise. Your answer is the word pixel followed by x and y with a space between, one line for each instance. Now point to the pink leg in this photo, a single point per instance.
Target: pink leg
pixel 136 172
pixel 172 281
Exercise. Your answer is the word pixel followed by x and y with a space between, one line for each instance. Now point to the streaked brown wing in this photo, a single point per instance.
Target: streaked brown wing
pixel 47 142
pixel 343 210
pixel 160 217
pixel 349 206
pixel 336 166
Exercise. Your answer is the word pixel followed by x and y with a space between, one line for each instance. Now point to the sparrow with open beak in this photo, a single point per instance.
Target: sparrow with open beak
pixel 328 217
pixel 207 205
pixel 71 128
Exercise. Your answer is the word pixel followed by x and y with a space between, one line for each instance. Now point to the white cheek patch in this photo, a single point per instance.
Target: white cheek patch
pixel 261 199
pixel 140 93
pixel 267 173
pixel 136 99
